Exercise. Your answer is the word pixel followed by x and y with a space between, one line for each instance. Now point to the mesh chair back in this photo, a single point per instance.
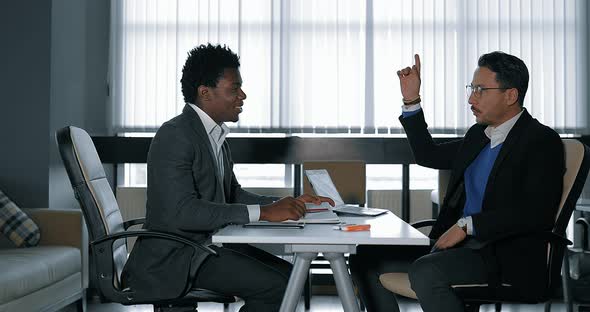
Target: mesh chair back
pixel 93 191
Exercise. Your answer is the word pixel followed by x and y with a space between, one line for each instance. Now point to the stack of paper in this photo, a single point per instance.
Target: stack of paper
pixel 326 216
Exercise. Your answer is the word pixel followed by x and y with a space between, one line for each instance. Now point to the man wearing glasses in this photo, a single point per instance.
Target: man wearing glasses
pixel 506 179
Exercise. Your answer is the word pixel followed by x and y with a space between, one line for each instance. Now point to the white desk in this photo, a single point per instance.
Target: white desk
pixel 306 243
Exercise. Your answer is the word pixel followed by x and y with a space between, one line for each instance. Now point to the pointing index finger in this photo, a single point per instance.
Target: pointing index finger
pixel 417 62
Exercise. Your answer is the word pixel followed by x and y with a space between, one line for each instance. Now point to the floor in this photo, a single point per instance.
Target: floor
pixel 318 304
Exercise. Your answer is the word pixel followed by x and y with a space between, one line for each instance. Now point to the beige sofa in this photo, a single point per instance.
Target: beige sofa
pixel 51 275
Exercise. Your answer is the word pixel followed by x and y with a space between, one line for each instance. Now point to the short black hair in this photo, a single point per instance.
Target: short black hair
pixel 204 66
pixel 511 72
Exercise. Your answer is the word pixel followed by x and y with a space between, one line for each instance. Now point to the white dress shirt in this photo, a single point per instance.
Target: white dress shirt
pixel 217 134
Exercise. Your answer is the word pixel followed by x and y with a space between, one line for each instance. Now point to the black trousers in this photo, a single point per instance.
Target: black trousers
pixel 247 272
pixel 431 275
pixel 371 261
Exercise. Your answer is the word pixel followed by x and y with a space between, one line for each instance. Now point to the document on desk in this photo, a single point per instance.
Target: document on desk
pixel 317 214
pixel 274 225
pixel 320 214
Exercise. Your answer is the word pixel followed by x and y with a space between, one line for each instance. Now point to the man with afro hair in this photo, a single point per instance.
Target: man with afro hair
pixel 192 191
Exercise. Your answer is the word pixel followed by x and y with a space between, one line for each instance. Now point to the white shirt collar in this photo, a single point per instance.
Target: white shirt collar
pixel 216 132
pixel 497 135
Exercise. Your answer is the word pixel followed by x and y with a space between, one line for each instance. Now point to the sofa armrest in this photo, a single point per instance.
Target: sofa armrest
pixel 59 227
pixel 63 227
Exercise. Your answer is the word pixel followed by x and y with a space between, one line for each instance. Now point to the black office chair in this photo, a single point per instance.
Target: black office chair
pixel 108 232
pixel 577 162
pixel 576 272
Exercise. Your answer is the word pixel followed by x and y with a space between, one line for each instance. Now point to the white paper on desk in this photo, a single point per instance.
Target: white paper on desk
pixel 318 217
pixel 323 186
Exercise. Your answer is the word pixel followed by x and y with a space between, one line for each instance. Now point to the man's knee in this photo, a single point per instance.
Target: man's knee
pixel 276 288
pixel 422 273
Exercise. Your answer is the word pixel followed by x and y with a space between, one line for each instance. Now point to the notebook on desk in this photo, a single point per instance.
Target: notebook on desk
pixel 323 186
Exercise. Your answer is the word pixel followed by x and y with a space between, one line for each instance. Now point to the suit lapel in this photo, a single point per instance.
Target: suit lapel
pixel 227 171
pixel 199 128
pixel 508 145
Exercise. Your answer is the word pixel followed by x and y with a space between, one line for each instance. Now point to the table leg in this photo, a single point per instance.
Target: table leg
pixel 343 281
pixel 296 280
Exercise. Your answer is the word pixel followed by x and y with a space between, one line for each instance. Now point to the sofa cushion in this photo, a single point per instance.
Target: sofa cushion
pixel 16 225
pixel 25 270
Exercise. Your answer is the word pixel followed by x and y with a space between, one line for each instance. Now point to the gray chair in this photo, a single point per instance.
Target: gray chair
pixel 577 162
pixel 107 231
pixel 576 272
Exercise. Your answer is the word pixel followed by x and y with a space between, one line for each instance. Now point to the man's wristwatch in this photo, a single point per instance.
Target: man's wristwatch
pixel 462 223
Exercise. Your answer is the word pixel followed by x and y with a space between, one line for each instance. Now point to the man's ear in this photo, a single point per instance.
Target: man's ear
pixel 512 96
pixel 203 93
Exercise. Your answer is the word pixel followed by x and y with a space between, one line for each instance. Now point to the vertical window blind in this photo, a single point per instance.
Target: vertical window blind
pixel 329 66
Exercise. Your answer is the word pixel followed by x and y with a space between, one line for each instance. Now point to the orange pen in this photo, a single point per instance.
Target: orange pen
pixel 353 227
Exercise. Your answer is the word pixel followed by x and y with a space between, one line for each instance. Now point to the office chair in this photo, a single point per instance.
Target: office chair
pixel 107 231
pixel 576 272
pixel 577 163
pixel 349 177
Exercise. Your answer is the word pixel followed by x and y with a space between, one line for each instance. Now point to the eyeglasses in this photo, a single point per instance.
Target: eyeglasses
pixel 478 90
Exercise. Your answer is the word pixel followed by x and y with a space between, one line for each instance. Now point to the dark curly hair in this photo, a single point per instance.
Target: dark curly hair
pixel 511 72
pixel 204 66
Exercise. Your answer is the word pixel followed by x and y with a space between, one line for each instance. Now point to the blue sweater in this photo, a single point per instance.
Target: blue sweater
pixel 476 176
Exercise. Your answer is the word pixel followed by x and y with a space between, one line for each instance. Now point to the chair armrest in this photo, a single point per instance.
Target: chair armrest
pixel 148 233
pixel 423 223
pixel 583 221
pixel 547 236
pixel 63 227
pixel 132 222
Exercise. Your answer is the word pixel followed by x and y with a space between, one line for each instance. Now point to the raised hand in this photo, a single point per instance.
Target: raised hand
pixel 287 208
pixel 409 80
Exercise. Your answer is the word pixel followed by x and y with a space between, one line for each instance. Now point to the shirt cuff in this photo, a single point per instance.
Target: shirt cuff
pixel 470 229
pixel 410 110
pixel 253 212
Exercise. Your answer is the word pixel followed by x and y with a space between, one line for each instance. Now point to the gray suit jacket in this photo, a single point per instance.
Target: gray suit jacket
pixel 185 196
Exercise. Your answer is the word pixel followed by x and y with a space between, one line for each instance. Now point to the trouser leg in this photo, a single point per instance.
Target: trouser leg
pixel 432 276
pixel 371 261
pixel 247 272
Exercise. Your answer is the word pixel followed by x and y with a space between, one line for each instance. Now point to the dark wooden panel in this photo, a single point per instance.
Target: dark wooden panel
pixel 290 150
pixel 118 150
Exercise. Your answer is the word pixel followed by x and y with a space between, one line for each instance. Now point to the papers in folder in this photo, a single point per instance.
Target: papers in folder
pixel 319 214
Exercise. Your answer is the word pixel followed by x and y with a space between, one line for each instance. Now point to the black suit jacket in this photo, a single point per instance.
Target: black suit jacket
pixel 522 194
pixel 185 196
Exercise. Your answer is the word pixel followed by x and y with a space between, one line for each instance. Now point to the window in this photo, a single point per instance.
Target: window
pixel 308 65
pixel 329 66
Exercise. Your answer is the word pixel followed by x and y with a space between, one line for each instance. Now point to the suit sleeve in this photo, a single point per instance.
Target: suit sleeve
pixel 534 206
pixel 426 152
pixel 174 199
